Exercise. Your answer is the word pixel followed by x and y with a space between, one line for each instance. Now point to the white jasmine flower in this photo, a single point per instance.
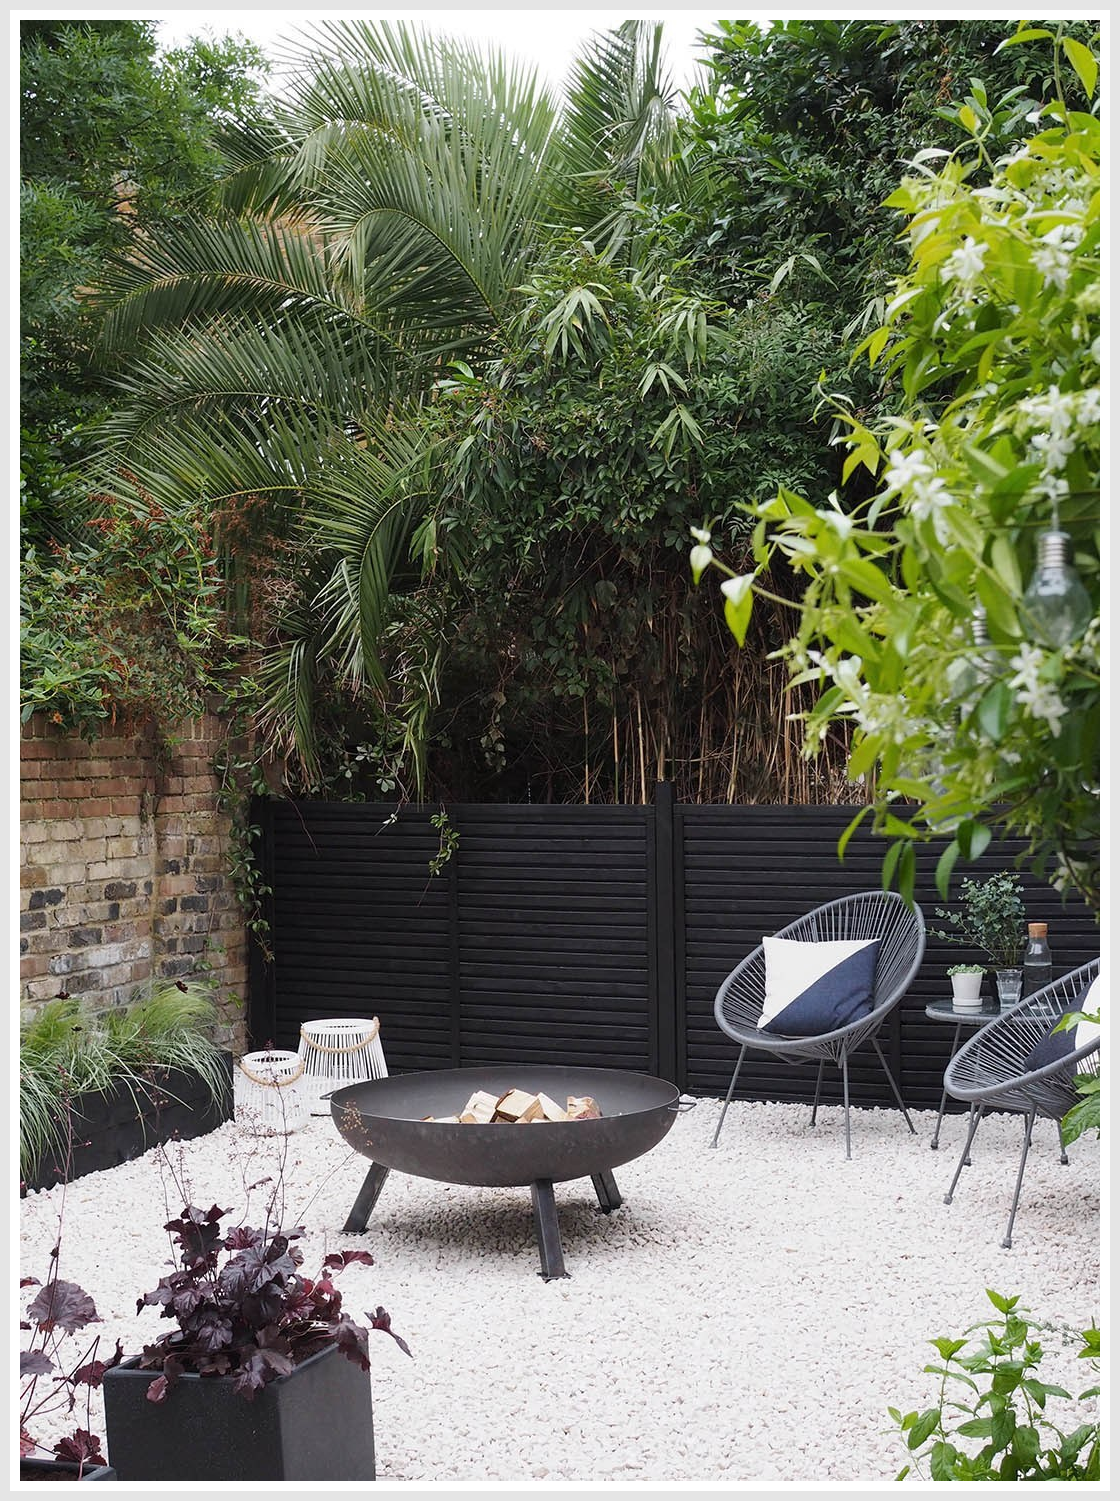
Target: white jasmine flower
pixel 1040 699
pixel 904 468
pixel 965 264
pixel 737 589
pixel 699 558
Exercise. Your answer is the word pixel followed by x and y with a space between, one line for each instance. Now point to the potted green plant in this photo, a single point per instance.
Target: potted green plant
pixel 967 979
pixel 263 1361
pixel 991 918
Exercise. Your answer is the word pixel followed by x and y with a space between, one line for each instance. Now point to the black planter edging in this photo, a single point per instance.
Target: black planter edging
pixel 316 1424
pixel 114 1127
pixel 63 1469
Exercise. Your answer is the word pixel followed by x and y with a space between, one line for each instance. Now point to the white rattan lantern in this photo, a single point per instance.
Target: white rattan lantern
pixel 337 1051
pixel 271 1095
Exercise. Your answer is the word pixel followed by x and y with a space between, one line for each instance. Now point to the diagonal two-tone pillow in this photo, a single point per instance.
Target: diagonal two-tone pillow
pixel 813 988
pixel 1057 1045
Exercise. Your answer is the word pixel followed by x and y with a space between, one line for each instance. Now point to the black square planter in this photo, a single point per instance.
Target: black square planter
pixel 316 1424
pixel 62 1469
pixel 117 1126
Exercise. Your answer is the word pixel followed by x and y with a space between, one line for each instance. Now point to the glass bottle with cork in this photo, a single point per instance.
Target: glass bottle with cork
pixel 1037 965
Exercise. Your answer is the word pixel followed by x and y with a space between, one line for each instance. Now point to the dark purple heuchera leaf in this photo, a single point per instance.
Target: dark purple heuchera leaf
pixel 81 1448
pixel 269 1359
pixel 211 1329
pixel 266 1306
pixel 243 1237
pixel 339 1261
pixel 353 1340
pixel 62 1305
pixel 90 1375
pixel 29 1282
pixel 35 1363
pixel 380 1320
pixel 27 1444
pixel 198 1232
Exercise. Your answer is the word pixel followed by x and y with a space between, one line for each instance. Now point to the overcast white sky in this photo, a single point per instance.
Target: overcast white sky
pixel 548 38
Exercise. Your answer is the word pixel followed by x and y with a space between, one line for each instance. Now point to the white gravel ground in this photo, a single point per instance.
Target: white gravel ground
pixel 747 1315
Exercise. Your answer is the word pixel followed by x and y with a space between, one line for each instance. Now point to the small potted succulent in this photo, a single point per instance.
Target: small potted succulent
pixel 58 1309
pixel 263 1378
pixel 967 979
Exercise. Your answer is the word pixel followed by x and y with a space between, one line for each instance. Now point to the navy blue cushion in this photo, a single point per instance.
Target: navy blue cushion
pixel 1056 1045
pixel 842 995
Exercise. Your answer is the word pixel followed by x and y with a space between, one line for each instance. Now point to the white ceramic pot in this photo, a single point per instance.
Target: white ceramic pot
pixel 966 989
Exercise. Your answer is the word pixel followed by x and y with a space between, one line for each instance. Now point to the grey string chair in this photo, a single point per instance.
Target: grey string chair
pixel 884 915
pixel 991 1071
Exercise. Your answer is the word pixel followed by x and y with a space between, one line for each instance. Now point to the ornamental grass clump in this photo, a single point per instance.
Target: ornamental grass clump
pixel 66 1051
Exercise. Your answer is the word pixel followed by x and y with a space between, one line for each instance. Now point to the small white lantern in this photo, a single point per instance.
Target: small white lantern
pixel 338 1051
pixel 270 1094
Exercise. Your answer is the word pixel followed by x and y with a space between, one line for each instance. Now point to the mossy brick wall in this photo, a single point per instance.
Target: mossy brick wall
pixel 123 869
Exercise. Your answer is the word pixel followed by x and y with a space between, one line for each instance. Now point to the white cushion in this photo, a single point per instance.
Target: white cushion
pixel 792 965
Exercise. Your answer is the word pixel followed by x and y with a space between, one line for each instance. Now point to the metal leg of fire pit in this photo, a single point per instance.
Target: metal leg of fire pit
pixel 606 1190
pixel 547 1226
pixel 367 1197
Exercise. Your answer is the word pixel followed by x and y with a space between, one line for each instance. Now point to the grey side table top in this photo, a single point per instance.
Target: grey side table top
pixel 945 1011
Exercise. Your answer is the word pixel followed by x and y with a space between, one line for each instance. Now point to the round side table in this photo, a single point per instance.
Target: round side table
pixel 959 1017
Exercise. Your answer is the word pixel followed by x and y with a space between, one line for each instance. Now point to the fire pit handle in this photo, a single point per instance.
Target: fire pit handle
pixel 683 1104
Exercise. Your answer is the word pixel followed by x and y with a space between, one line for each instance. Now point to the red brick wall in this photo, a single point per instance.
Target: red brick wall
pixel 123 869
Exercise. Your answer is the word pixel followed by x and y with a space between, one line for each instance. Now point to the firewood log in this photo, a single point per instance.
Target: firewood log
pixel 583 1108
pixel 513 1104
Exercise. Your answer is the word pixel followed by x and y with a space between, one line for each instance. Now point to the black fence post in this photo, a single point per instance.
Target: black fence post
pixel 667 1062
pixel 454 983
pixel 261 1019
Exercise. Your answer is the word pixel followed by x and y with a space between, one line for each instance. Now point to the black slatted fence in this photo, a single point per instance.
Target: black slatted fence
pixel 594 935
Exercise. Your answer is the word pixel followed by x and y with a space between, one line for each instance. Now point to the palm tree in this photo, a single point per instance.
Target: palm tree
pixel 374 231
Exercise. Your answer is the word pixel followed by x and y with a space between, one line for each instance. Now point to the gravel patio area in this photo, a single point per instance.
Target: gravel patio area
pixel 747 1315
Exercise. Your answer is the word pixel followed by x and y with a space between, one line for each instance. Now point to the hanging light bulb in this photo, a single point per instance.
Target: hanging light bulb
pixel 971 669
pixel 1055 603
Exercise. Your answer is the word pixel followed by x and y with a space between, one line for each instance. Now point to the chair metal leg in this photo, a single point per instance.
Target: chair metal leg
pixel 936 1142
pixel 1027 1129
pixel 973 1122
pixel 894 1086
pixel 847 1109
pixel 1063 1159
pixel 817 1093
pixel 730 1092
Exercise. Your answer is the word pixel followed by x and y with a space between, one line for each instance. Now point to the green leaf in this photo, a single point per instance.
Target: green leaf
pixel 973 838
pixel 994 710
pixel 1003 1426
pixel 907 873
pixel 976 1428
pixel 925 1425
pixel 738 605
pixel 1083 62
pixel 1025 1445
pixel 890 861
pixel 1031 34
pixel 949 857
pixel 942 1461
pixel 850 830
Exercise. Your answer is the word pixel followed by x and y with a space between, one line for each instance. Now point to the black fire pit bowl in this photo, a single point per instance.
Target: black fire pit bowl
pixel 383 1119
